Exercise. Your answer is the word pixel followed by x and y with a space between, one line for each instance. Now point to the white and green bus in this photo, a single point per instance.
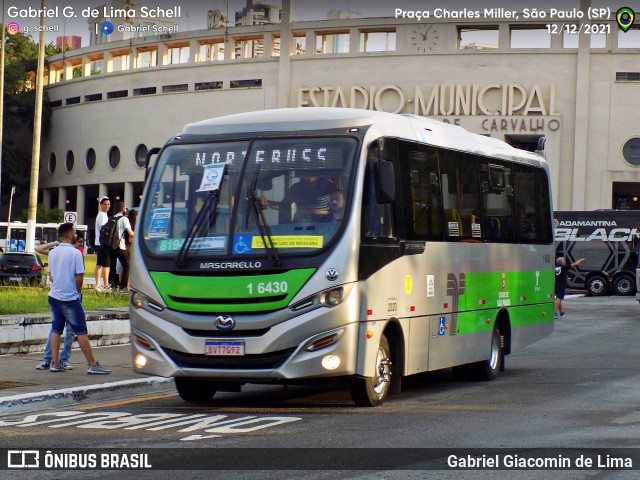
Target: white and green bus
pixel 246 269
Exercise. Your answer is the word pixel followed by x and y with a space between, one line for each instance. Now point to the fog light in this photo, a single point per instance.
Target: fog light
pixel 331 362
pixel 140 361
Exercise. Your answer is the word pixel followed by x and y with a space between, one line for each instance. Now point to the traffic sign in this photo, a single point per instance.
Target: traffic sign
pixel 70 217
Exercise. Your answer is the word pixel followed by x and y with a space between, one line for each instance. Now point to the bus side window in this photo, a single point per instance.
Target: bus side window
pixel 497 202
pixel 378 220
pixel 460 194
pixel 532 198
pixel 421 183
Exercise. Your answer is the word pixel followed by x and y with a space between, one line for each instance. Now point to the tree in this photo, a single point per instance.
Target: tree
pixel 21 61
pixel 55 215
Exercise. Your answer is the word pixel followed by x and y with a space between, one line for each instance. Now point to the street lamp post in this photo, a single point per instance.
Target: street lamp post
pixel 35 155
pixel 13 190
pixel 2 39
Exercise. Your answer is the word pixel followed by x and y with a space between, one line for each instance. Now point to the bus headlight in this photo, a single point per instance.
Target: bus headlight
pixel 332 298
pixel 328 298
pixel 139 300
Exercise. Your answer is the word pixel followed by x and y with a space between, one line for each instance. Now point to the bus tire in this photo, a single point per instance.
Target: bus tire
pixel 488 369
pixel 597 286
pixel 197 391
pixel 373 391
pixel 624 285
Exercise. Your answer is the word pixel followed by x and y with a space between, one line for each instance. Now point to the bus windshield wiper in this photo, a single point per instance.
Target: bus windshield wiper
pixel 198 226
pixel 263 226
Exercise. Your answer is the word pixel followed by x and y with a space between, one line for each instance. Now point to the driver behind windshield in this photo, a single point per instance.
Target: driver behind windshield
pixel 311 197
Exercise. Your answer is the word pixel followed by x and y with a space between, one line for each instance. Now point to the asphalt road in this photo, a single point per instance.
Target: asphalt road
pixel 576 389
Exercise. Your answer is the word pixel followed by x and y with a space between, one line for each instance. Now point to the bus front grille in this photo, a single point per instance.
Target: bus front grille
pixel 226 333
pixel 227 301
pixel 263 361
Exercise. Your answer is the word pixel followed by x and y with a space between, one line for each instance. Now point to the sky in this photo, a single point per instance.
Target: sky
pixel 194 12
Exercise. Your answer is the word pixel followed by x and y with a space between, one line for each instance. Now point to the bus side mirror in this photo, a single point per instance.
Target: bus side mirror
pixel 386 182
pixel 147 161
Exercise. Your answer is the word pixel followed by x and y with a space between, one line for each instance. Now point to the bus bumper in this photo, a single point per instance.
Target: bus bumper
pixel 260 364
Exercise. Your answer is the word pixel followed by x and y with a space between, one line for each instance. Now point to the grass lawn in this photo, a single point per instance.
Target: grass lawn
pixel 89 264
pixel 15 300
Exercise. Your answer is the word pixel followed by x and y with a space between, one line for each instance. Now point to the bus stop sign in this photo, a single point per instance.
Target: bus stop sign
pixel 70 217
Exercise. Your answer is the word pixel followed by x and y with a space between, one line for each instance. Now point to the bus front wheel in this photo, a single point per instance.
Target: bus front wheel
pixel 198 391
pixel 488 369
pixel 373 391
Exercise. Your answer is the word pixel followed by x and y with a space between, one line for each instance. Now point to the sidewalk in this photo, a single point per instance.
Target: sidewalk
pixel 24 388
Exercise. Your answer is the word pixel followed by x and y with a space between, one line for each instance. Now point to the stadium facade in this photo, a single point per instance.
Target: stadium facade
pixel 513 80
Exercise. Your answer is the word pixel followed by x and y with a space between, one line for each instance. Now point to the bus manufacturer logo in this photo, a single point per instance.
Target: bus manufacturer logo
pixel 224 322
pixel 332 274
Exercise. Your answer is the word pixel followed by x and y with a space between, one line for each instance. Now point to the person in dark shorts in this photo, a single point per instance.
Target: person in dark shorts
pixel 562 270
pixel 103 258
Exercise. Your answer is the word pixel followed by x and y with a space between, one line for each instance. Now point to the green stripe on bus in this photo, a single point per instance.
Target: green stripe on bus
pixel 251 293
pixel 507 289
pixel 527 295
pixel 484 320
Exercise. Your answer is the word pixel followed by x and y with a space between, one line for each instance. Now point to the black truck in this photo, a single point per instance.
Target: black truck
pixel 608 240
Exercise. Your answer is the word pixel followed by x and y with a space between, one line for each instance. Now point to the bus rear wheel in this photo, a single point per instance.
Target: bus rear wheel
pixel 624 285
pixel 197 391
pixel 373 391
pixel 488 369
pixel 597 286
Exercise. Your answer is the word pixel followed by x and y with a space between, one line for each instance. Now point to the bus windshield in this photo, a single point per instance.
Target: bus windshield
pixel 233 198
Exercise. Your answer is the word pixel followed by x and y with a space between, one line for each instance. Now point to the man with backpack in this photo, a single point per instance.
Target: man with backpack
pixel 119 247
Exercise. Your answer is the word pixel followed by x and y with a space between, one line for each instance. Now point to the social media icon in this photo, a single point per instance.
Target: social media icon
pixel 107 28
pixel 625 17
pixel 13 28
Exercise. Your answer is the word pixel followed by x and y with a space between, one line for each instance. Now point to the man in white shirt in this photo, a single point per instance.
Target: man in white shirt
pixel 66 267
pixel 121 252
pixel 103 252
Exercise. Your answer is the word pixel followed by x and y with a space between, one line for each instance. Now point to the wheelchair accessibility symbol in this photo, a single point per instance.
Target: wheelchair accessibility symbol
pixel 441 327
pixel 242 244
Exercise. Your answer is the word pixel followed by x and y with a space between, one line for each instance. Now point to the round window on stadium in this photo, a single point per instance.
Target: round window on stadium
pixel 52 163
pixel 91 159
pixel 114 157
pixel 141 155
pixel 631 151
pixel 70 160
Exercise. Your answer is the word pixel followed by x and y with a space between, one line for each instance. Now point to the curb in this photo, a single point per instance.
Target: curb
pixel 51 398
pixel 28 333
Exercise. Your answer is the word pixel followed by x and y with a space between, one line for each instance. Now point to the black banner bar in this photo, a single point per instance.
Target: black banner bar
pixel 367 459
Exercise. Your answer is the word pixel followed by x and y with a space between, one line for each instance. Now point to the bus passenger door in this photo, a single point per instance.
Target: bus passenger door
pixel 379 236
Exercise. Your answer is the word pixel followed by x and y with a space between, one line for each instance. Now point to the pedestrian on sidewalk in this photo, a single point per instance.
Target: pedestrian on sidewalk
pixel 120 254
pixel 69 337
pixel 562 270
pixel 103 252
pixel 66 265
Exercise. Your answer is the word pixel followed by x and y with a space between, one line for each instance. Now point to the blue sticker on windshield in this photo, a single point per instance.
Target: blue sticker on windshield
pixel 242 243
